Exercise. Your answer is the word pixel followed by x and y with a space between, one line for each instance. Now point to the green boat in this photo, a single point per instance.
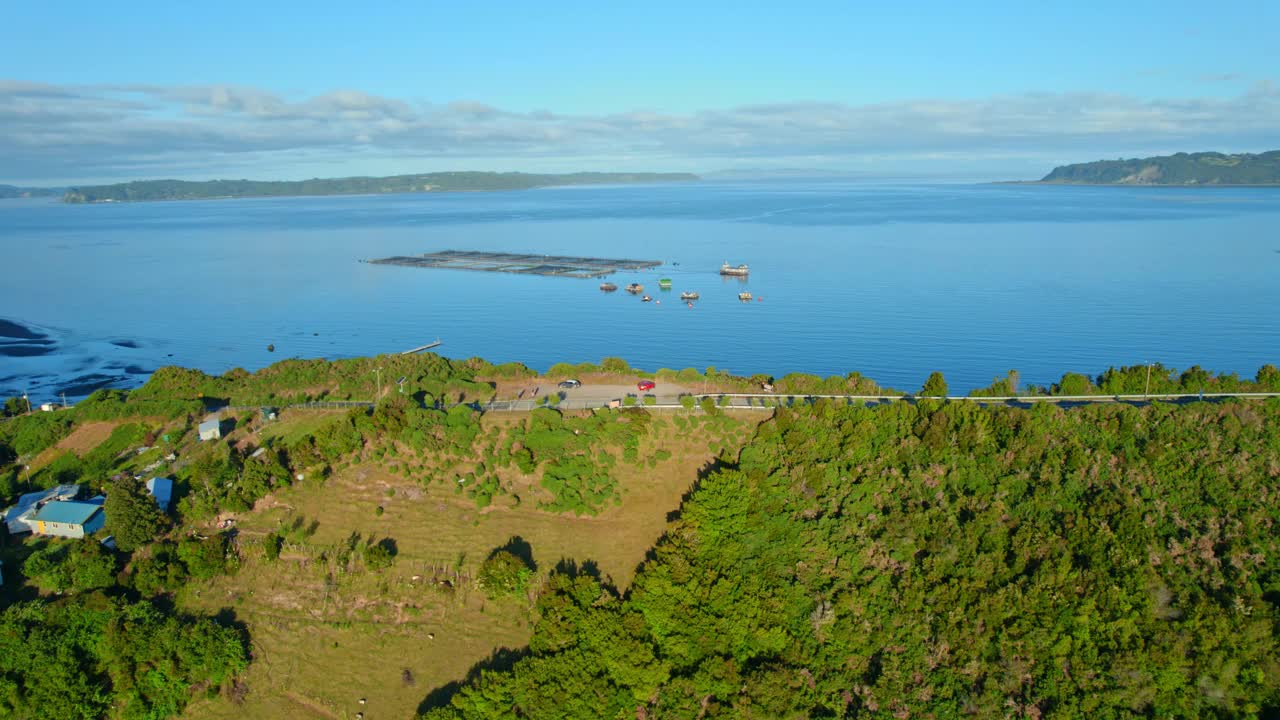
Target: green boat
pixel 665 283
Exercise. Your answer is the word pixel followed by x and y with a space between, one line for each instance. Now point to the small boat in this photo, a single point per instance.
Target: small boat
pixel 646 298
pixel 608 287
pixel 744 296
pixel 738 270
pixel 664 283
pixel 689 296
pixel 635 288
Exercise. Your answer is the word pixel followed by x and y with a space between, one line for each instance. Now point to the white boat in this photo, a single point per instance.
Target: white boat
pixel 738 270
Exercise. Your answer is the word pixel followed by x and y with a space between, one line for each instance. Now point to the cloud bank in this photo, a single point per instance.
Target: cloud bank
pixel 70 134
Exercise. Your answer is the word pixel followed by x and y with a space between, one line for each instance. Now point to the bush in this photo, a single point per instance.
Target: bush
pixel 379 555
pixel 272 544
pixel 205 558
pixel 503 574
pixel 71 566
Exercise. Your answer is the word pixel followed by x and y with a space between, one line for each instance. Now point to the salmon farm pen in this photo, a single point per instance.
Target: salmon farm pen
pixel 559 265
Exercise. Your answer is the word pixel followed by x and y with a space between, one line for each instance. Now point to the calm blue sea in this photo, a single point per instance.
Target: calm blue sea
pixel 892 280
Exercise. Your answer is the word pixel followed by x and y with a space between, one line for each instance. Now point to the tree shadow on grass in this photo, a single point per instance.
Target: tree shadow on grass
pixel 519 547
pixel 500 660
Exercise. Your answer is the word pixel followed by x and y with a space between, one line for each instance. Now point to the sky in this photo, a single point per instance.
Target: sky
pixel 103 92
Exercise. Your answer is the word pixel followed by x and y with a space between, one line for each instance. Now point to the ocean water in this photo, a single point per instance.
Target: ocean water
pixel 891 280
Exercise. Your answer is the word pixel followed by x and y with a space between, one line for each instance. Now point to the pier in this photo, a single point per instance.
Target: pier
pixel 555 265
pixel 420 348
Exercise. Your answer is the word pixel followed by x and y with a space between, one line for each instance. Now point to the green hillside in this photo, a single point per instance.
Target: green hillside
pixel 428 182
pixel 10 191
pixel 1206 168
pixel 814 558
pixel 941 561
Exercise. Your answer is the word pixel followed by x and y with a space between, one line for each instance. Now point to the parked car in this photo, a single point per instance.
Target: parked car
pixel 570 384
pixel 646 385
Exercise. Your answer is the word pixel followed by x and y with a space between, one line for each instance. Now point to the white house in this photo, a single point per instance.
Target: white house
pixel 211 428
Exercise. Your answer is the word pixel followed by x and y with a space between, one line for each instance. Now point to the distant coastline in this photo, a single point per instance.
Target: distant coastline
pixel 157 190
pixel 1204 169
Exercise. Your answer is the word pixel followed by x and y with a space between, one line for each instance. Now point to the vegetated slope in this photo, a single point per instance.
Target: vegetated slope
pixel 1206 168
pixel 940 560
pixel 9 191
pixel 426 182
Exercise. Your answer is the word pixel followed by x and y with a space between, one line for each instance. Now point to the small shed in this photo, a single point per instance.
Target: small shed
pixel 161 488
pixel 210 429
pixel 268 414
pixel 68 518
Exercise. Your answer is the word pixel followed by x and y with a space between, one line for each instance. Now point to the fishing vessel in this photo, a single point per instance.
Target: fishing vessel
pixel 689 296
pixel 736 270
pixel 635 288
pixel 608 287
pixel 744 296
pixel 664 283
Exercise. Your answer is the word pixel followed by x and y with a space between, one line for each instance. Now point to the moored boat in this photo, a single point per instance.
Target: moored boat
pixel 608 287
pixel 665 283
pixel 744 296
pixel 635 288
pixel 646 298
pixel 739 270
pixel 689 296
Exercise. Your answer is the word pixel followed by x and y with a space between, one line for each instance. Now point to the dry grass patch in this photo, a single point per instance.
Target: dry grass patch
pixel 323 638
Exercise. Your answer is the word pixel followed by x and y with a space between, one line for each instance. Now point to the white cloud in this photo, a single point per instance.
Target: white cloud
pixel 79 133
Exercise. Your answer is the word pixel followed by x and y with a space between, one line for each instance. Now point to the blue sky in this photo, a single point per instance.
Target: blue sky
pixel 93 92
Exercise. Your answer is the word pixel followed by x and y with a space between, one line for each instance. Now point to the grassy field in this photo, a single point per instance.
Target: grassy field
pixel 326 632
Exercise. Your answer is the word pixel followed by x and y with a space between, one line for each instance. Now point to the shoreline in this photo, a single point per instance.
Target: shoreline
pixel 1184 186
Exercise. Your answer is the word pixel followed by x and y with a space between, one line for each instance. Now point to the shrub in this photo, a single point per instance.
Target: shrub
pixel 379 555
pixel 272 543
pixel 503 574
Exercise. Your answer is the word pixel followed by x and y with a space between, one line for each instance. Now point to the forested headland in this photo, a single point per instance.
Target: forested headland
pixel 1188 169
pixel 144 190
pixel 827 559
pixel 11 191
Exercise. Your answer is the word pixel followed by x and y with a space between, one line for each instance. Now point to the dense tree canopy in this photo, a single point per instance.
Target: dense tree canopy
pixel 133 517
pixel 940 560
pixel 104 657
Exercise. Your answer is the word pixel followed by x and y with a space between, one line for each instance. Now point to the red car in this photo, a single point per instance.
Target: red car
pixel 645 385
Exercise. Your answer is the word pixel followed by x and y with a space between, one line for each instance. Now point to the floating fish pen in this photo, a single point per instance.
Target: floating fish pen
pixel 557 265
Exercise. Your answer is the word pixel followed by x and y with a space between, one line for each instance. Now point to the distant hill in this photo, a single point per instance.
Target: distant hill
pixel 1206 168
pixel 10 191
pixel 429 182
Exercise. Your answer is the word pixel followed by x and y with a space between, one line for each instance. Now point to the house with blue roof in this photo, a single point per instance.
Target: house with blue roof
pixel 68 518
